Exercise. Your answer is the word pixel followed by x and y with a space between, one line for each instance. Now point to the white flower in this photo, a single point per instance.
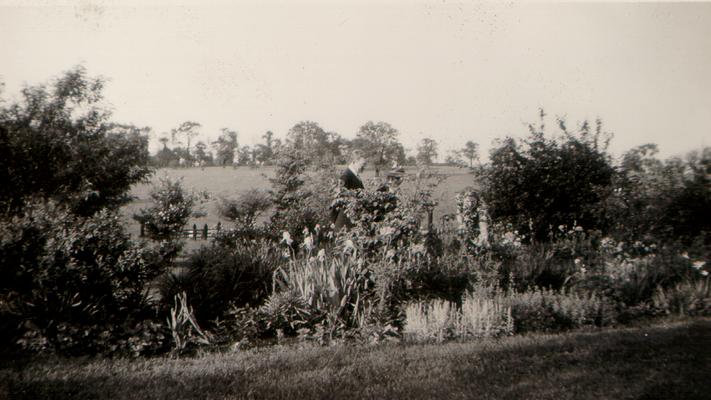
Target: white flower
pixel 321 255
pixel 286 238
pixel 704 273
pixel 578 261
pixel 308 243
pixel 387 230
pixel 698 264
pixel 418 248
pixel 684 255
pixel 286 253
pixel 348 245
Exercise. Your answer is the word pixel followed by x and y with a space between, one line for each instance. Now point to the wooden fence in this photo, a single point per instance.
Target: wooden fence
pixel 195 233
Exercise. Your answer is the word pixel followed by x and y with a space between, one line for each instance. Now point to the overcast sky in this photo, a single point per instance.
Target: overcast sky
pixel 452 72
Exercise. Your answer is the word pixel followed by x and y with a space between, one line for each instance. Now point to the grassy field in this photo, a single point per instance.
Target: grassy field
pixel 667 360
pixel 229 183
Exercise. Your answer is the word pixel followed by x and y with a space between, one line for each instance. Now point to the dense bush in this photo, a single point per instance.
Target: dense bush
pixel 75 284
pixel 543 183
pixel 662 201
pixel 221 276
pixel 245 210
pixel 300 193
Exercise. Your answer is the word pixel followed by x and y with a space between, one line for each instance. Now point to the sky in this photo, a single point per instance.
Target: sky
pixel 445 70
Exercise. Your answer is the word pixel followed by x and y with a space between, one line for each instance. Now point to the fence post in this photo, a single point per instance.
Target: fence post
pixel 194 231
pixel 143 229
pixel 204 232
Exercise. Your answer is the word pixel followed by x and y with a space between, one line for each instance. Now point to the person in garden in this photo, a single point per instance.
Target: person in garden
pixel 393 179
pixel 349 180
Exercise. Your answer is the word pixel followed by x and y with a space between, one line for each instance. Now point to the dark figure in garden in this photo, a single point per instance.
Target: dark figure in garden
pixel 349 180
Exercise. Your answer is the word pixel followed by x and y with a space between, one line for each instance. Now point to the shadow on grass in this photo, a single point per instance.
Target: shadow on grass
pixel 663 361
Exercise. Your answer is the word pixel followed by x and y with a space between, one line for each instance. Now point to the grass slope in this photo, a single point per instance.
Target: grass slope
pixel 662 361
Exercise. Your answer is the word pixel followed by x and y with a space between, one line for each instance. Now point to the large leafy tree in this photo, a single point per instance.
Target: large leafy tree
pixel 225 146
pixel 379 143
pixel 313 143
pixel 186 131
pixel 58 142
pixel 470 152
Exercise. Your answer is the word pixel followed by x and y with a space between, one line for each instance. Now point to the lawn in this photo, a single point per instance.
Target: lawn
pixel 229 183
pixel 667 360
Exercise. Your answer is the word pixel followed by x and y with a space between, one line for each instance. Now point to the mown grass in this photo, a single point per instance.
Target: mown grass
pixel 668 360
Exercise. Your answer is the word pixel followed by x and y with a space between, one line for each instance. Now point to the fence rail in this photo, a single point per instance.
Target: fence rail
pixel 195 233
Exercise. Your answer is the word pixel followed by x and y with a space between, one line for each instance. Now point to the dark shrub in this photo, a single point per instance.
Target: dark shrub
pixel 69 279
pixel 58 142
pixel 245 210
pixel 218 277
pixel 545 183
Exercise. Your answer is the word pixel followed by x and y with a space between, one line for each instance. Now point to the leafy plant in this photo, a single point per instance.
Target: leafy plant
pixel 246 208
pixel 223 275
pixel 183 326
pixel 63 275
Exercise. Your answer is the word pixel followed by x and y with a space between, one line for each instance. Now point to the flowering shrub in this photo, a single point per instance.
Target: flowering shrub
pixel 171 210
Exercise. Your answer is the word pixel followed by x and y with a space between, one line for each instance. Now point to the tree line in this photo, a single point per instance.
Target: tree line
pixel 379 141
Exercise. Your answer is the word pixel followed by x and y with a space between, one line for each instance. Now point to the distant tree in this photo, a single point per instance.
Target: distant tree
pixel 427 151
pixel 187 130
pixel 225 147
pixel 165 157
pixel 245 155
pixel 470 152
pixel 314 144
pixel 266 152
pixel 58 142
pixel 379 143
pixel 164 141
pixel 454 157
pixel 200 154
